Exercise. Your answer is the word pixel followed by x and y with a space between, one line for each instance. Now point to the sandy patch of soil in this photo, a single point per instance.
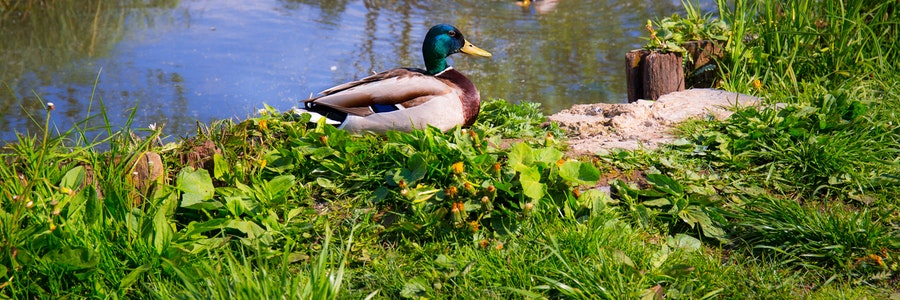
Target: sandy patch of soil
pixel 592 127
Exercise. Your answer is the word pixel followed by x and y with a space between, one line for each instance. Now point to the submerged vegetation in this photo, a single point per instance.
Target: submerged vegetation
pixel 793 199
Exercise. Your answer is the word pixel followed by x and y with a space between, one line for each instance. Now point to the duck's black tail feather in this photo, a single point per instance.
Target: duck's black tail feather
pixel 331 115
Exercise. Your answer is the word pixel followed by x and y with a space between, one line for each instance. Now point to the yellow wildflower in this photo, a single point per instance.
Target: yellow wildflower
pixel 757 84
pixel 263 125
pixel 474 226
pixel 458 168
pixel 451 192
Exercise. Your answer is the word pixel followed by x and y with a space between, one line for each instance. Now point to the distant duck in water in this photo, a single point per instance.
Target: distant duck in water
pixel 540 6
pixel 406 98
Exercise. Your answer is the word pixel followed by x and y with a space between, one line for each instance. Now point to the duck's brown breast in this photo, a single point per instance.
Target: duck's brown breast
pixel 471 100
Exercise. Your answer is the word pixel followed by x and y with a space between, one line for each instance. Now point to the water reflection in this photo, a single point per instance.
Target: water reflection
pixel 181 62
pixel 49 54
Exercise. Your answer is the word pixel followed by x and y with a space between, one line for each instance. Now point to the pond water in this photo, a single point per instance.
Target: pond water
pixel 175 63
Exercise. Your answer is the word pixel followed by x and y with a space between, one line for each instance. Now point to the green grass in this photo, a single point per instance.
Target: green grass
pixel 796 199
pixel 599 258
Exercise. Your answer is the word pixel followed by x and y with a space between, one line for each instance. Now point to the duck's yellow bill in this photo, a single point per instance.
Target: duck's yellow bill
pixel 468 48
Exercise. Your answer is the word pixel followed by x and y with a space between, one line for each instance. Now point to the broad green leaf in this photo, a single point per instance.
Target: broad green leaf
pixel 235 205
pixel 657 202
pixel 444 261
pixel 531 185
pixel 227 191
pixel 653 293
pixel 520 156
pixel 548 156
pixel 623 258
pixel 78 203
pixel 73 178
pixel 246 190
pixel 167 199
pixel 666 184
pixel 627 190
pixel 132 224
pixel 278 185
pixel 691 218
pixel 530 174
pixel 197 189
pixel 595 200
pixel 414 288
pixel 251 229
pixel 644 215
pixel 568 209
pixel 292 214
pixel 220 166
pixel 713 231
pixel 621 186
pixel 416 167
pixel 659 257
pixel 269 219
pixel 505 226
pixel 684 242
pixel 277 162
pixel 162 232
pixel 380 194
pixel 201 227
pixel 72 181
pixel 92 205
pixel 579 172
pixel 72 259
pixel 322 153
pixel 201 205
pixel 506 187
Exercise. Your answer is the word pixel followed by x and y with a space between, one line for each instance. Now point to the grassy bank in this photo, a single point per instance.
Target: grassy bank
pixel 797 199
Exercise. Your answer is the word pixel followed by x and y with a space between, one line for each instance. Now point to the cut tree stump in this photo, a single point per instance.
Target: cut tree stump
pixel 634 63
pixel 651 74
pixel 663 74
pixel 701 67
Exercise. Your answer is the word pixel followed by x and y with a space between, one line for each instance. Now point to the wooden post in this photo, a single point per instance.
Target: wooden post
pixel 634 63
pixel 663 74
pixel 651 74
pixel 701 65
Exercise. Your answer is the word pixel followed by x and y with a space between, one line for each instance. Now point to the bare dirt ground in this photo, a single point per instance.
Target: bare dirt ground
pixel 647 124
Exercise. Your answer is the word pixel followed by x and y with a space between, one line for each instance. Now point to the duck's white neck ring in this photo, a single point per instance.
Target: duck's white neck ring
pixel 445 70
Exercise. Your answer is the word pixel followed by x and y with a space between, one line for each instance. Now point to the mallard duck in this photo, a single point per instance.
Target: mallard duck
pixel 540 6
pixel 406 98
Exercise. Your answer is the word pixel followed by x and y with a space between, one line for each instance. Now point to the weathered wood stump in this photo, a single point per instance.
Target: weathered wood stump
pixel 145 172
pixel 701 66
pixel 634 63
pixel 651 74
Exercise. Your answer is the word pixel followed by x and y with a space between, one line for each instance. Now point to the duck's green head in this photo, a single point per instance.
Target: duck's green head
pixel 443 40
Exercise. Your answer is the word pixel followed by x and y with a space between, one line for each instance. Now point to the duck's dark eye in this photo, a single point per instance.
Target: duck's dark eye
pixel 452 33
